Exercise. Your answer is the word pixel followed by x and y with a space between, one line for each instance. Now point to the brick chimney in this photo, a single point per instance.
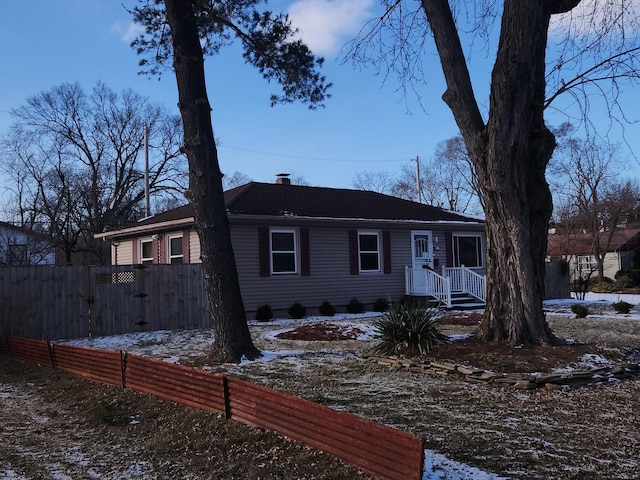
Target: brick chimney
pixel 283 179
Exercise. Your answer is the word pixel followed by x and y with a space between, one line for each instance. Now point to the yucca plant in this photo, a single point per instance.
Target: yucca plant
pixel 406 329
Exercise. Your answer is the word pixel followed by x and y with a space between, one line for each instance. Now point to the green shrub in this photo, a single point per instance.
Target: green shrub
pixel 354 306
pixel 381 305
pixel 326 309
pixel 622 307
pixel 408 330
pixel 264 313
pixel 580 310
pixel 297 310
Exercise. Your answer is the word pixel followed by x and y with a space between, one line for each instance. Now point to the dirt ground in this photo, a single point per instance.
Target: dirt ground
pixel 55 425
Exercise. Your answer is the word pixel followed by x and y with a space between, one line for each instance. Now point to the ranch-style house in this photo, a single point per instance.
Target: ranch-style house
pixel 311 244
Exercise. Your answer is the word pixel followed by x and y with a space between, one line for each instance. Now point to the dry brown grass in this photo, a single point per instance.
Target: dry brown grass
pixel 585 432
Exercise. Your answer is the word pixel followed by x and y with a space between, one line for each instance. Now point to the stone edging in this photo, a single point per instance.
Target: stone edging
pixel 517 380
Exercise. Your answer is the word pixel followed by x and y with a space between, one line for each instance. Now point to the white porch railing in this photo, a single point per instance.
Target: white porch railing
pixel 423 281
pixel 465 280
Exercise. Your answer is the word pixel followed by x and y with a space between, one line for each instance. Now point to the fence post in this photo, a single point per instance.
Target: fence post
pixel 227 400
pixel 123 368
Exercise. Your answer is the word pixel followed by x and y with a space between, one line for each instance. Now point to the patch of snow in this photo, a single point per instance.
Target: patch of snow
pixel 439 467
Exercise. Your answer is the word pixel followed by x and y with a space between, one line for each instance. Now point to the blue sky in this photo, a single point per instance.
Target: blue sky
pixel 366 125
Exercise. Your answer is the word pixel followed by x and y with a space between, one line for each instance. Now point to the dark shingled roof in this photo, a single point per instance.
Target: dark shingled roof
pixel 582 243
pixel 318 202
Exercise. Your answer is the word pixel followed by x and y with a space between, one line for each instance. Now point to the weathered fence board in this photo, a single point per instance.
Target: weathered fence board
pixel 43 302
pixel 177 383
pixel 100 365
pixel 378 449
pixel 34 351
pixel 51 303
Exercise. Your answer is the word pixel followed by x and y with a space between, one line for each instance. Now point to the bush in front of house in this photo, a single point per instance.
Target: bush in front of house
pixel 264 313
pixel 580 310
pixel 408 330
pixel 622 307
pixel 605 287
pixel 326 309
pixel 381 305
pixel 628 278
pixel 297 310
pixel 354 306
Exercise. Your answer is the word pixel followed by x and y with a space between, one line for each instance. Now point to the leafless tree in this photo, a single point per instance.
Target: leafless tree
pixel 592 55
pixel 76 161
pixel 234 180
pixel 380 182
pixel 592 197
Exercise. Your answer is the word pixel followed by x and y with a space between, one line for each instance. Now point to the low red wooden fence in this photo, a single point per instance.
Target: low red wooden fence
pixel 184 385
pixel 34 351
pixel 379 450
pixel 100 365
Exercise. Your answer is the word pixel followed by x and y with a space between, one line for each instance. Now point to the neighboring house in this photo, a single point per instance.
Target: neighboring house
pixel 577 250
pixel 310 244
pixel 21 247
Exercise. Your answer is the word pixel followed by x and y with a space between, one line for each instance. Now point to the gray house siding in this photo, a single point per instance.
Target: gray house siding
pixel 329 277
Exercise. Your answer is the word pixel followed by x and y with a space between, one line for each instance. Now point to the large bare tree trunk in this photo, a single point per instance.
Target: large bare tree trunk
pixel 510 153
pixel 232 337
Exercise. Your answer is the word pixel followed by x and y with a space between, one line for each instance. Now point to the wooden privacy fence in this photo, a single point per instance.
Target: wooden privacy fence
pixel 52 302
pixel 379 450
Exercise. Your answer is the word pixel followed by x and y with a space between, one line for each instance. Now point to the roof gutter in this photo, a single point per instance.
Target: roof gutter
pixel 151 227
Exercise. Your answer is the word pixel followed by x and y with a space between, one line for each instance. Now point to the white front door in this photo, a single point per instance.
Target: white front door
pixel 422 249
pixel 422 257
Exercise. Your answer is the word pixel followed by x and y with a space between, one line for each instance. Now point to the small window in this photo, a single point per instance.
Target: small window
pixel 283 251
pixel 467 251
pixel 369 251
pixel 175 250
pixel 146 251
pixel 587 263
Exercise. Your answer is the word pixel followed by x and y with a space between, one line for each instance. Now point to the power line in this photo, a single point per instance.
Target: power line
pixel 302 157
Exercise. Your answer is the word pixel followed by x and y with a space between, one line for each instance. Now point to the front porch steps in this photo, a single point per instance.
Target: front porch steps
pixel 460 301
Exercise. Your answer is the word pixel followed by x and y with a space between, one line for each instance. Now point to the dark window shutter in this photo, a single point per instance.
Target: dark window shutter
pixel 186 258
pixel 136 252
pixel 305 260
pixel 158 251
pixel 386 251
pixel 353 252
pixel 263 251
pixel 448 248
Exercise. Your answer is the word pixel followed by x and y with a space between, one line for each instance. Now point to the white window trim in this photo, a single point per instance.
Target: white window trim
pixel 150 259
pixel 170 256
pixel 591 264
pixel 454 235
pixel 377 252
pixel 294 232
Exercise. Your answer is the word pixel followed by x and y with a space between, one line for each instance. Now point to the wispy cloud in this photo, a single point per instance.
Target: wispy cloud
pixel 127 31
pixel 325 25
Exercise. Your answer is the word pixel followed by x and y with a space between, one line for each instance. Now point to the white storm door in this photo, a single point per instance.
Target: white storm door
pixel 421 249
pixel 422 257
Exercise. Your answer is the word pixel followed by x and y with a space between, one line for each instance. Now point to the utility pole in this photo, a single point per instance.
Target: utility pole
pixel 418 187
pixel 147 208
